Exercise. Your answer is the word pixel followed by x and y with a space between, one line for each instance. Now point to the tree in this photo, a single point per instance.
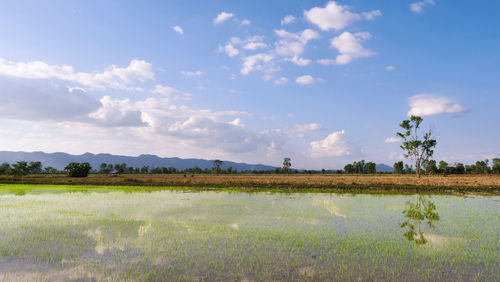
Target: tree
pixel 459 168
pixel 78 169
pixel 349 168
pixel 418 148
pixel 482 167
pixel 398 167
pixel 430 167
pixel 496 165
pixel 359 167
pixel 443 167
pixel 35 167
pixel 217 164
pixel 19 169
pixel 4 167
pixel 287 164
pixel 370 168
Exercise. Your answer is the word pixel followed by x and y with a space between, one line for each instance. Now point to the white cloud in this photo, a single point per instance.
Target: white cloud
pixel 430 104
pixel 116 112
pixel 192 73
pixel 392 140
pixel 293 44
pixel 254 45
pixel 281 80
pixel 334 145
pixel 288 20
pixel 112 77
pixel 258 62
pixel 171 92
pixel 390 68
pixel 36 100
pixel 308 127
pixel 349 46
pixel 326 62
pixel 231 51
pixel 299 61
pixel 335 16
pixel 418 7
pixel 307 79
pixel 222 17
pixel 246 22
pixel 178 29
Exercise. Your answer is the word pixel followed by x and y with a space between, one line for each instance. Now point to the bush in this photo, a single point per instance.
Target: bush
pixel 78 169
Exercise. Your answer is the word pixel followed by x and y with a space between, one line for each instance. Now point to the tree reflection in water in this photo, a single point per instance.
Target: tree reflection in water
pixel 417 213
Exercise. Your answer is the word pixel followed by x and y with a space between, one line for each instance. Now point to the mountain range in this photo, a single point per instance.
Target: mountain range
pixel 60 160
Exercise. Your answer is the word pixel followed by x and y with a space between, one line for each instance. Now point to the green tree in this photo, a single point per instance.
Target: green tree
pixel 418 148
pixel 398 167
pixel 217 164
pixel 430 167
pixel 496 165
pixel 359 167
pixel 103 168
pixel 349 168
pixel 19 169
pixel 4 167
pixel 35 167
pixel 78 169
pixel 287 164
pixel 459 168
pixel 443 167
pixel 482 167
pixel 371 168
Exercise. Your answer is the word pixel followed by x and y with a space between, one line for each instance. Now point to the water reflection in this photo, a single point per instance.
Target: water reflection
pixel 418 213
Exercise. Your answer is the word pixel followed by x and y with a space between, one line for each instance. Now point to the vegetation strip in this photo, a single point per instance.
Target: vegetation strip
pixel 277 187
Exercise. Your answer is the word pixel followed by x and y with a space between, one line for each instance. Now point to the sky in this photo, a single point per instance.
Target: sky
pixel 324 83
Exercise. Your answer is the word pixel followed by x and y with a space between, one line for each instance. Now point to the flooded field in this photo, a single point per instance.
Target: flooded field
pixel 100 234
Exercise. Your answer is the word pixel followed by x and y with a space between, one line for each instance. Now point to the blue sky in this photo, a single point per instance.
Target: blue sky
pixel 324 83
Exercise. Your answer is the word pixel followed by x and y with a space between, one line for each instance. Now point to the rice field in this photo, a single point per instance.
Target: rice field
pixel 58 233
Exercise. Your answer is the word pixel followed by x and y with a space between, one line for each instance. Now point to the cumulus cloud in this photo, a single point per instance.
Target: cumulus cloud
pixel 281 80
pixel 192 73
pixel 350 48
pixel 251 43
pixel 392 140
pixel 178 29
pixel 307 79
pixel 246 22
pixel 418 7
pixel 334 145
pixel 116 112
pixel 307 127
pixel 326 62
pixel 36 100
pixel 112 77
pixel 171 92
pixel 288 20
pixel 230 50
pixel 258 62
pixel 335 16
pixel 430 104
pixel 299 61
pixel 222 17
pixel 293 44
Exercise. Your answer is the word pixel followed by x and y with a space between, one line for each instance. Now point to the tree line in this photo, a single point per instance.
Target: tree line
pixel 431 167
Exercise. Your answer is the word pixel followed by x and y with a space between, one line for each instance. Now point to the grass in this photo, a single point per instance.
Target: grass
pixel 291 183
pixel 47 233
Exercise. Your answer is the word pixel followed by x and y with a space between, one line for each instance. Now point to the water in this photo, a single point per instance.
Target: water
pixel 175 235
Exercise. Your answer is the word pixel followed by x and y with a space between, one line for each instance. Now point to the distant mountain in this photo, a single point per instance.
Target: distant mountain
pixel 384 168
pixel 60 160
